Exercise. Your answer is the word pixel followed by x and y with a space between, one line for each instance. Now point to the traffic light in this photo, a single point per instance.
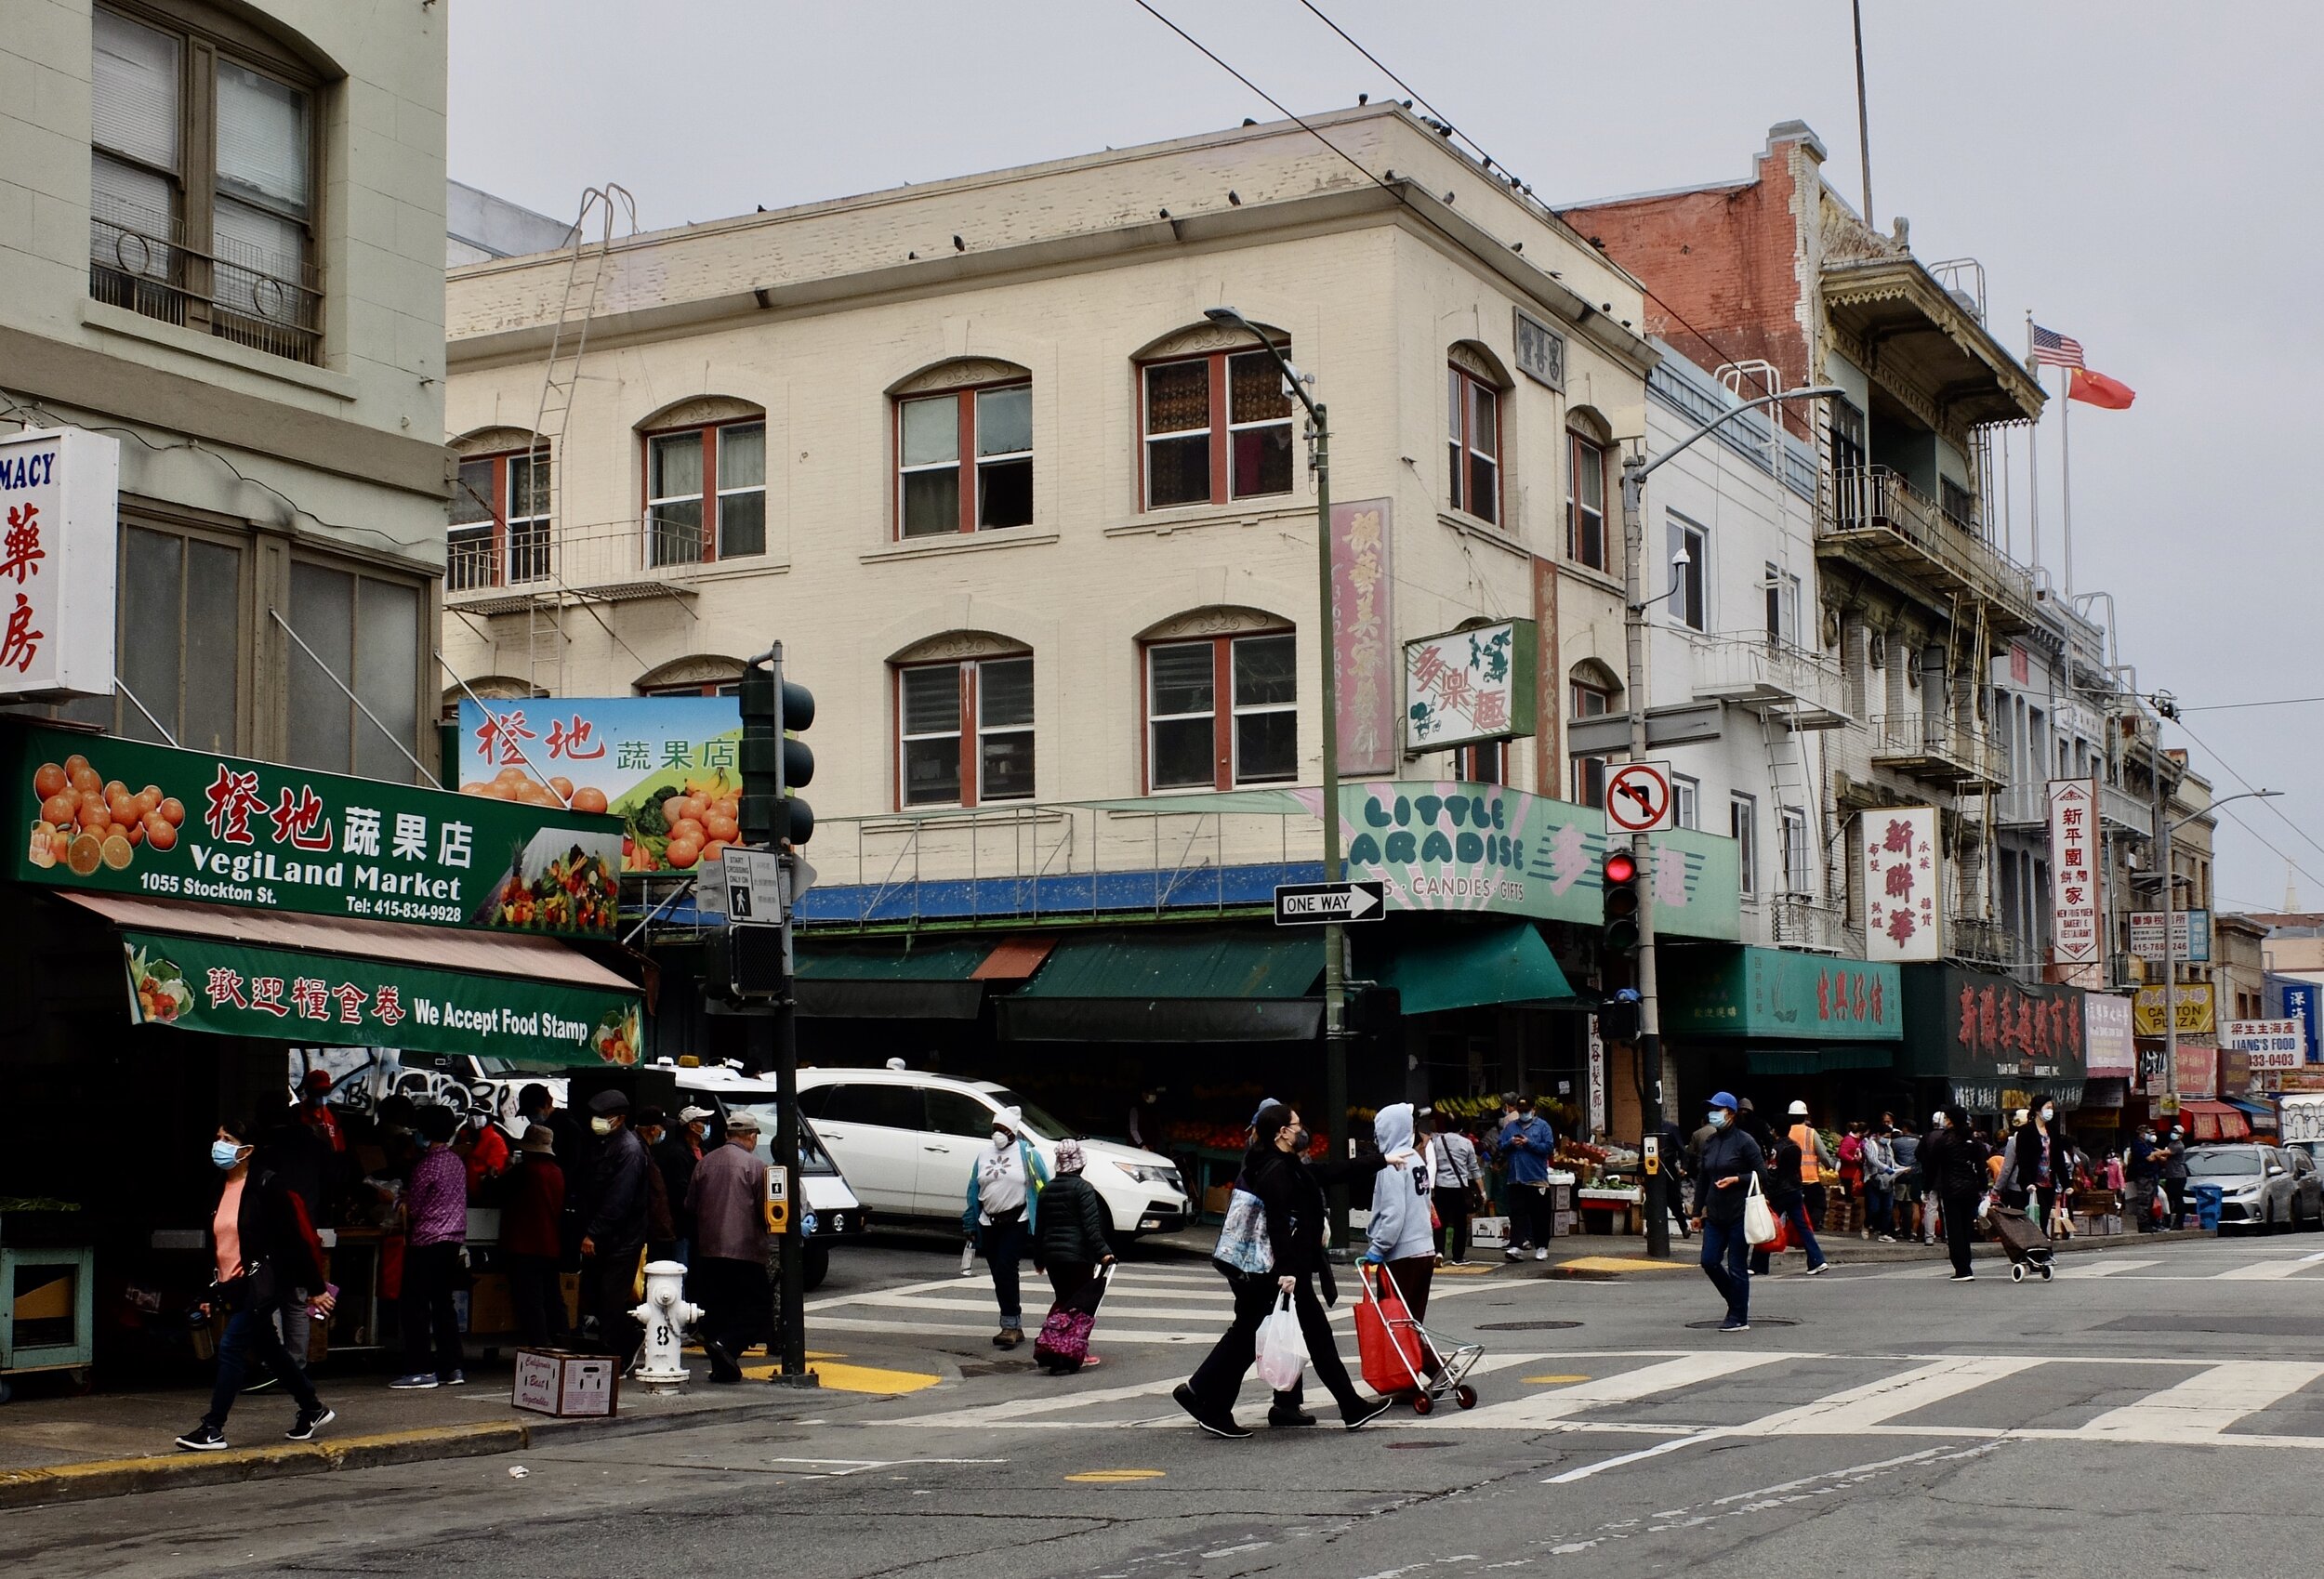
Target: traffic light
pixel 773 763
pixel 1621 1017
pixel 1620 876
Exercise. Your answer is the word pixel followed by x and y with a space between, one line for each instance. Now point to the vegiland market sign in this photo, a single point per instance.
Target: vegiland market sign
pixel 325 1000
pixel 1460 846
pixel 92 812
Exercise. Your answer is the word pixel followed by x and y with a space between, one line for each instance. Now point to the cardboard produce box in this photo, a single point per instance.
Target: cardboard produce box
pixel 555 1381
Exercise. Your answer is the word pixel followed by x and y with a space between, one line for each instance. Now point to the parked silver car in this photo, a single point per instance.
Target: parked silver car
pixel 2262 1188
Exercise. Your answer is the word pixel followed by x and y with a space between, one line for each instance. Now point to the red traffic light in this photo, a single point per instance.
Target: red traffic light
pixel 1621 866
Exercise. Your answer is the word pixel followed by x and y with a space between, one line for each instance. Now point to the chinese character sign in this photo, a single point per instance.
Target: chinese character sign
pixel 2107 1045
pixel 1362 640
pixel 2271 1043
pixel 1469 685
pixel 60 492
pixel 669 767
pixel 1904 885
pixel 2077 943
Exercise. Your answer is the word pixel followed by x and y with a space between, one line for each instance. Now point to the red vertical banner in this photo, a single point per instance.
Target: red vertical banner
pixel 1363 638
pixel 1549 693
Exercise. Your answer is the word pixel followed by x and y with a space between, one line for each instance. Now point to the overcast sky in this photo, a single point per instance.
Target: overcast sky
pixel 2137 174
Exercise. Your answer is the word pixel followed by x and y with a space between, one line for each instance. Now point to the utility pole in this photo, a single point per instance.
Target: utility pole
pixel 1336 1034
pixel 1636 467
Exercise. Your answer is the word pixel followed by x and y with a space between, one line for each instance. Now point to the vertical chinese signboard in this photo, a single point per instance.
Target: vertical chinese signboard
pixel 2107 1045
pixel 59 493
pixel 1469 685
pixel 1903 884
pixel 1361 636
pixel 2078 946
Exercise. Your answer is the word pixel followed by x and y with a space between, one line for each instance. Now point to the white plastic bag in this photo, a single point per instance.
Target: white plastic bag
pixel 1282 1348
pixel 1759 1218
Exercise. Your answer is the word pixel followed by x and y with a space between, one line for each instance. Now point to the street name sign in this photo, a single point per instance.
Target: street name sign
pixel 1314 904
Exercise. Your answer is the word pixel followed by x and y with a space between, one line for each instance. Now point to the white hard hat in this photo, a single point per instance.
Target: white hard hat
pixel 1799 1110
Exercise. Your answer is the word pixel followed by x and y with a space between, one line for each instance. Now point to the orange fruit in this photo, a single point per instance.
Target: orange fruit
pixel 148 798
pixel 589 800
pixel 85 855
pixel 683 852
pixel 562 785
pixel 134 832
pixel 173 810
pixel 116 851
pixel 50 780
pixel 76 763
pixel 476 786
pixel 58 807
pixel 161 833
pixel 83 779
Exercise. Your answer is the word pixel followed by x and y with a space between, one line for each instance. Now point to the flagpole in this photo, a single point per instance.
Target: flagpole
pixel 2065 477
pixel 2033 456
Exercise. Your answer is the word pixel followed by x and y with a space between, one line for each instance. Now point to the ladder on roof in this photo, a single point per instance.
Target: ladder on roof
pixel 588 265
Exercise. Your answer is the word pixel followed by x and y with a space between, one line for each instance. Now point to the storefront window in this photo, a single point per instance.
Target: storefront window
pixel 366 637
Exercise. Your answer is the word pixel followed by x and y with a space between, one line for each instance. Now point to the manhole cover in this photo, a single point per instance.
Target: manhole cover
pixel 1756 1321
pixel 1529 1326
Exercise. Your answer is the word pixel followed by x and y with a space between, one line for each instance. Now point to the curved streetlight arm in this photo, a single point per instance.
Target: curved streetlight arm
pixel 1291 378
pixel 2246 795
pixel 1805 393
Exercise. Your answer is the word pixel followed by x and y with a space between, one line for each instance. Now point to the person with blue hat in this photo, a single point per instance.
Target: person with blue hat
pixel 1731 1160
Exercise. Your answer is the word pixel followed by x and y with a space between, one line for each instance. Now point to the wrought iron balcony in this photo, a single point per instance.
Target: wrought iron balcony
pixel 2027 806
pixel 138 260
pixel 1873 517
pixel 1805 922
pixel 1931 745
pixel 1768 676
pixel 491 569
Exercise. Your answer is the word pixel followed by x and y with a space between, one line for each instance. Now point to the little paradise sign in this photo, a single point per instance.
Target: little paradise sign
pixel 59 497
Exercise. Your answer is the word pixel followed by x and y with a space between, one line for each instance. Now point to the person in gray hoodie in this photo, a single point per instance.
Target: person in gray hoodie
pixel 1400 1236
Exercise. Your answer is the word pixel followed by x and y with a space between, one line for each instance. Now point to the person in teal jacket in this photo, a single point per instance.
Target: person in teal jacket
pixel 1004 1203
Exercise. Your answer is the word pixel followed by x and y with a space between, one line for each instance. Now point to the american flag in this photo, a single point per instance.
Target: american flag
pixel 2058 351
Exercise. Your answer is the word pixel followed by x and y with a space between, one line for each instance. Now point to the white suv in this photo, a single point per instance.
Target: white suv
pixel 908 1141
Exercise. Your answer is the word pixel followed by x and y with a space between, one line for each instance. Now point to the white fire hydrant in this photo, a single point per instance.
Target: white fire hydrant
pixel 665 1315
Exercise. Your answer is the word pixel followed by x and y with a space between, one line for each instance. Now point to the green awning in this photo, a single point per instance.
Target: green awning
pixel 1456 966
pixel 907 979
pixel 1171 984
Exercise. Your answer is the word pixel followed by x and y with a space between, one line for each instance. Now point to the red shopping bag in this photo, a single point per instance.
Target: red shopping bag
pixel 1782 1240
pixel 1387 1341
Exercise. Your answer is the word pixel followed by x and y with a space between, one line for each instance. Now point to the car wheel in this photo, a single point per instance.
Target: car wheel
pixel 815 1266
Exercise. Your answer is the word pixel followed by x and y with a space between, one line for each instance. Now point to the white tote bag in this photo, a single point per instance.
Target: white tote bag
pixel 1759 1218
pixel 1282 1348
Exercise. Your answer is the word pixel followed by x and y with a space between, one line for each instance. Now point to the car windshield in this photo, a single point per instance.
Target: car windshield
pixel 813 1158
pixel 1036 1118
pixel 2224 1159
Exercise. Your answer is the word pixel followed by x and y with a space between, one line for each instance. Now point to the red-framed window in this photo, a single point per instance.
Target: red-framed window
pixel 964 732
pixel 964 460
pixel 1222 711
pixel 1472 433
pixel 1584 504
pixel 1215 428
pixel 1487 762
pixel 1589 700
pixel 706 493
pixel 500 525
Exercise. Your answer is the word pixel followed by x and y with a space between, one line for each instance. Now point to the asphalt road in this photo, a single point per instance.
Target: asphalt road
pixel 2158 1408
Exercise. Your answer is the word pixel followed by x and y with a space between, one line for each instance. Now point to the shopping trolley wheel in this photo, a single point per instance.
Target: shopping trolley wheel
pixel 1422 1403
pixel 1465 1396
pixel 2048 1272
pixel 2017 1272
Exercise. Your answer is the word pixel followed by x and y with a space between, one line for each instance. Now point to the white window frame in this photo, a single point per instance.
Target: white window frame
pixel 1689 587
pixel 655 503
pixel 716 526
pixel 1238 711
pixel 1743 828
pixel 1226 371
pixel 1799 866
pixel 1783 606
pixel 968 720
pixel 1685 801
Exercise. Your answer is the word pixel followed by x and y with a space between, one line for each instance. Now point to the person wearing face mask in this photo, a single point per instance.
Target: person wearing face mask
pixel 1291 1196
pixel 1072 1248
pixel 1729 1160
pixel 726 1202
pixel 2038 1166
pixel 1003 1212
pixel 435 1213
pixel 262 1246
pixel 1953 1162
pixel 617 1229
pixel 530 1240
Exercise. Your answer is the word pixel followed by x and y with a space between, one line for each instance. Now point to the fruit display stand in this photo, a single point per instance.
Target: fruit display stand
pixel 48 1319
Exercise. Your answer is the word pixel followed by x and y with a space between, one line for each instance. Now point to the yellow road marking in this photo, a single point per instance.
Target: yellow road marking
pixel 1113 1476
pixel 857 1378
pixel 1553 1381
pixel 1621 1264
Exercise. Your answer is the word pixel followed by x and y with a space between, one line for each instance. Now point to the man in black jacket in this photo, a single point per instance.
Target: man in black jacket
pixel 617 1226
pixel 1730 1160
pixel 1953 1167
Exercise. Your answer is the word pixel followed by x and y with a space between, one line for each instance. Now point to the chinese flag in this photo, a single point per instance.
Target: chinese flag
pixel 2100 390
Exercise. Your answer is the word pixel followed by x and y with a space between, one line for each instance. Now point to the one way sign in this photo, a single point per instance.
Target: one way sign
pixel 1312 904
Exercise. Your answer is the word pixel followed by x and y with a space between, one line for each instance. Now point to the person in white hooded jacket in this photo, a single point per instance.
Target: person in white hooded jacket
pixel 1401 1236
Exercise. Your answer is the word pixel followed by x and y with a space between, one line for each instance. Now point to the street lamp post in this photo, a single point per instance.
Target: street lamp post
pixel 1335 934
pixel 1636 467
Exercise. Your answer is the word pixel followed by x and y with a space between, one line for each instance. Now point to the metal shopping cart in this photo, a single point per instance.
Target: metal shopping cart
pixel 1403 1358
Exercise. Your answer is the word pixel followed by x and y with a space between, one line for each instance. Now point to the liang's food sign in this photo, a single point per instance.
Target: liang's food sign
pixel 60 495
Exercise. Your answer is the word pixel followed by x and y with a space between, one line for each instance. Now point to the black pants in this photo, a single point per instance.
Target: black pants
pixel 253 1331
pixel 737 1301
pixel 1220 1377
pixel 1813 1195
pixel 536 1298
pixel 1961 1223
pixel 1452 1210
pixel 2176 1190
pixel 1069 1278
pixel 1532 1215
pixel 1004 1245
pixel 432 1323
pixel 609 1282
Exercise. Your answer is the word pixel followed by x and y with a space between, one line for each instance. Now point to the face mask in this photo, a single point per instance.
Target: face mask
pixel 1719 1118
pixel 601 1126
pixel 225 1153
pixel 1300 1139
pixel 2048 1114
pixel 1000 1139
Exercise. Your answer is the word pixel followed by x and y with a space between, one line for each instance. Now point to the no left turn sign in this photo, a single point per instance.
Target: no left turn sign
pixel 1638 798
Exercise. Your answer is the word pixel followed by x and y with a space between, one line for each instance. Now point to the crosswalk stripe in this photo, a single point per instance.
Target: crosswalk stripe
pixel 2110 1267
pixel 1623 1387
pixel 2259 1269
pixel 1861 1408
pixel 2205 1404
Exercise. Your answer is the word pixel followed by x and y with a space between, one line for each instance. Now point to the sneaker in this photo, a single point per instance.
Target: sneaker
pixel 457 1379
pixel 1368 1412
pixel 1962 1277
pixel 1516 1253
pixel 303 1429
pixel 1287 1419
pixel 1817 1268
pixel 1734 1326
pixel 1218 1426
pixel 203 1439
pixel 1542 1253
pixel 1888 1239
pixel 417 1381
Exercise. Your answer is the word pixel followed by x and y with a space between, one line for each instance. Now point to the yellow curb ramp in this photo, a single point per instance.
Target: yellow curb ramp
pixel 1616 1264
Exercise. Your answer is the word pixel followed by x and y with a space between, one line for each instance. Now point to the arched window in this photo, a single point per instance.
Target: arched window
pixel 1215 420
pixel 501 530
pixel 1221 696
pixel 1592 691
pixel 705 483
pixel 964 720
pixel 964 448
pixel 1588 442
pixel 1472 431
pixel 701 673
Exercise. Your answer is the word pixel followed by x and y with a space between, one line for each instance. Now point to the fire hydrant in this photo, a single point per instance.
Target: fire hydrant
pixel 665 1315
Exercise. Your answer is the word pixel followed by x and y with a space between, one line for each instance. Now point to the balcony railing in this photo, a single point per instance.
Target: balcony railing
pixel 1803 921
pixel 138 260
pixel 1984 942
pixel 1933 745
pixel 1770 677
pixel 2027 806
pixel 1876 510
pixel 531 559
